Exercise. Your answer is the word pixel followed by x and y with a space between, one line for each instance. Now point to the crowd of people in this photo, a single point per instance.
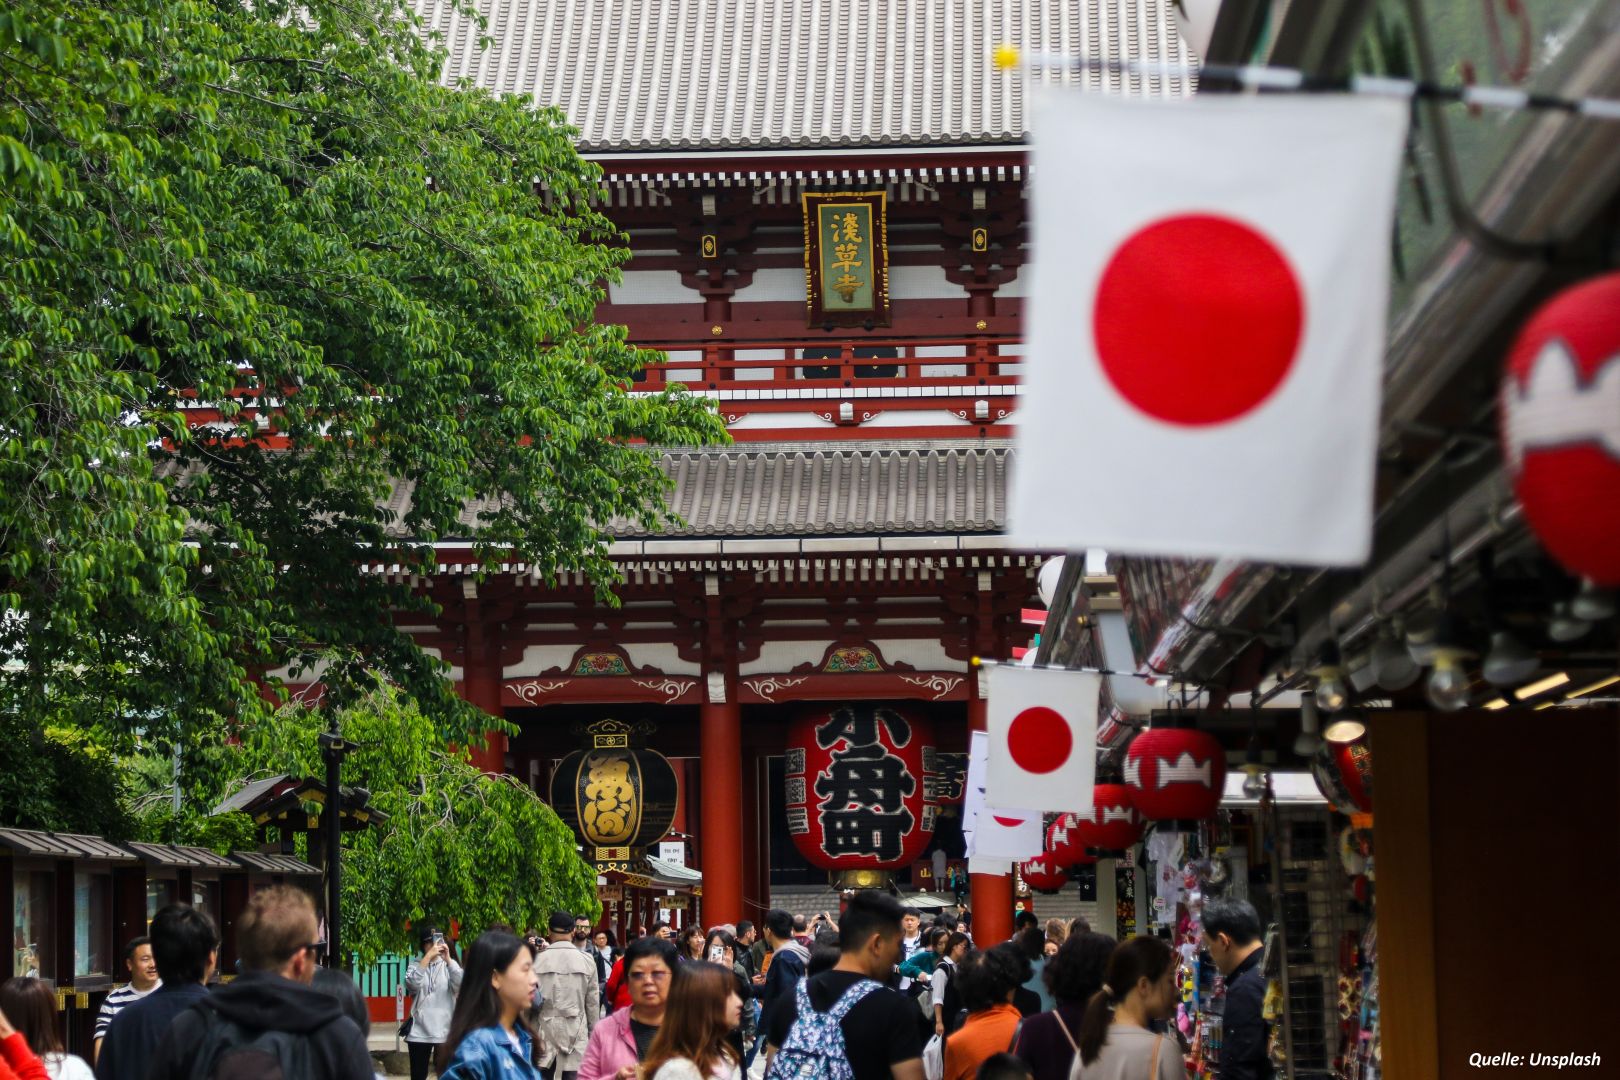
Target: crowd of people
pixel 872 995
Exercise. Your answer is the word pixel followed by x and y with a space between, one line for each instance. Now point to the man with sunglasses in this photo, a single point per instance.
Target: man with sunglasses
pixel 270 1015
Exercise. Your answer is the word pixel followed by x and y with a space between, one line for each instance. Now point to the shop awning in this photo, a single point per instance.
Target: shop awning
pixel 926 902
pixel 264 862
pixel 177 857
pixel 29 842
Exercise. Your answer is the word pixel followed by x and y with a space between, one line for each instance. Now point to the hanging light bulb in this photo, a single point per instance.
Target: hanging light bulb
pixel 1592 603
pixel 1254 778
pixel 1332 692
pixel 1448 684
pixel 1565 626
pixel 1392 663
pixel 1509 660
pixel 1309 740
pixel 1420 637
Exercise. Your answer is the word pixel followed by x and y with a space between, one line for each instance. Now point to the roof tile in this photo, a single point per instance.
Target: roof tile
pixel 734 74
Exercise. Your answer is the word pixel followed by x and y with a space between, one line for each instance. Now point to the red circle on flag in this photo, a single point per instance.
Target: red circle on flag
pixel 1039 740
pixel 1198 319
pixel 1009 822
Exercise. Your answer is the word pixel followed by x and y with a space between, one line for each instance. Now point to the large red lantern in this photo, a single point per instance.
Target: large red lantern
pixel 1176 774
pixel 1042 873
pixel 855 787
pixel 1063 844
pixel 1114 823
pixel 1561 427
pixel 1343 773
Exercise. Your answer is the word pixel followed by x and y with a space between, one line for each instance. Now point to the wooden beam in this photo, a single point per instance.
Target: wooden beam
pixel 1406 916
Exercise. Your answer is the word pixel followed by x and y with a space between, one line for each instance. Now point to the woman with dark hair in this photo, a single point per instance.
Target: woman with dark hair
pixel 689 944
pixel 1115 1041
pixel 989 979
pixel 486 1040
pixel 1048 1042
pixel 17 1061
pixel 433 980
pixel 31 1007
pixel 944 995
pixel 693 1042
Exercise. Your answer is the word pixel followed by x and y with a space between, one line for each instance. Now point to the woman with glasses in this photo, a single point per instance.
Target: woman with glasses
pixel 621 1040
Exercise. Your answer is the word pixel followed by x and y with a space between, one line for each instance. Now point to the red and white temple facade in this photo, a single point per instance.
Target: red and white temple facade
pixel 846 548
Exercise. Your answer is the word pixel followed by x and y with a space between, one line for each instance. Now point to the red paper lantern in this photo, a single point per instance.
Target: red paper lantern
pixel 1063 844
pixel 855 787
pixel 1114 823
pixel 1176 774
pixel 1561 426
pixel 1343 774
pixel 1043 874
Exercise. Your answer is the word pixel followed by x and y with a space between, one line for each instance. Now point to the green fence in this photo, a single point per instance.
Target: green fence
pixel 382 979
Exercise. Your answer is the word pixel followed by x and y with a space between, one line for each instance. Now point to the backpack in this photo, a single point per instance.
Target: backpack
pixel 814 1047
pixel 229 1051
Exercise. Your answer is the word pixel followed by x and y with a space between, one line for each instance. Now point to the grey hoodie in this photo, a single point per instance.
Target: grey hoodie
pixel 434 988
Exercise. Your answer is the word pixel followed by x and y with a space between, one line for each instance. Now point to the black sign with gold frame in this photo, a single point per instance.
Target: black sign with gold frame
pixel 846 258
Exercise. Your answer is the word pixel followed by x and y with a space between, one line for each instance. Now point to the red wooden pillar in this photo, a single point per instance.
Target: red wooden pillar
pixel 481 682
pixel 756 862
pixel 720 817
pixel 992 893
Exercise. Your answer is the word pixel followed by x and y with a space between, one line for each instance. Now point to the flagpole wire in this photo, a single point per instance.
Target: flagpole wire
pixel 1292 80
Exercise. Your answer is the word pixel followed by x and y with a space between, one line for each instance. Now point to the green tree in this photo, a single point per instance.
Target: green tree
pixel 269 216
pixel 457 843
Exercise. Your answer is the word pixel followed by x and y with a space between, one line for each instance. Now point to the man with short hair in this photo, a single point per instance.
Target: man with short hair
pixel 786 967
pixel 879 1026
pixel 185 948
pixel 910 942
pixel 570 1001
pixel 270 1016
pixel 1232 937
pixel 143 979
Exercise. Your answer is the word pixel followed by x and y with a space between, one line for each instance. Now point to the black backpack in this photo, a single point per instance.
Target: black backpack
pixel 229 1051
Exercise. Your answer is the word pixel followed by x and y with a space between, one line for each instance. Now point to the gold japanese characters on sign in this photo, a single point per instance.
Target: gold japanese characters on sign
pixel 846 258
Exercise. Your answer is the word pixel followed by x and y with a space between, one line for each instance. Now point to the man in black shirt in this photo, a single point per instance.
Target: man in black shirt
pixel 1232 936
pixel 880 1033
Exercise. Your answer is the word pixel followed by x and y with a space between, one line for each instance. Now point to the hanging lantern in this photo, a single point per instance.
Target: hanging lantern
pixel 1114 823
pixel 1063 844
pixel 1043 874
pixel 618 798
pixel 1175 774
pixel 856 790
pixel 1343 774
pixel 1560 420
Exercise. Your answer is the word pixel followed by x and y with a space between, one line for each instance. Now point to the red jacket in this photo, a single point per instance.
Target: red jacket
pixel 17 1062
pixel 618 987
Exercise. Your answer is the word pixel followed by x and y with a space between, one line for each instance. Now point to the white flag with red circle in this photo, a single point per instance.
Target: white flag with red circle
pixel 1043 738
pixel 994 836
pixel 1206 325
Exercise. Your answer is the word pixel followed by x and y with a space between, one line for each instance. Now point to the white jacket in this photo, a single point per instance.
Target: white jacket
pixel 434 988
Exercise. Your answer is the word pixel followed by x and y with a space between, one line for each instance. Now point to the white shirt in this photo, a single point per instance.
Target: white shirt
pixel 67 1067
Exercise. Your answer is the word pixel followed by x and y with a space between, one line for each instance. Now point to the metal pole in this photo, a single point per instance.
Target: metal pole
pixel 332 749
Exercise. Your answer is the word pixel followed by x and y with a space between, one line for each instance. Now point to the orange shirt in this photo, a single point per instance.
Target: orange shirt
pixel 982 1035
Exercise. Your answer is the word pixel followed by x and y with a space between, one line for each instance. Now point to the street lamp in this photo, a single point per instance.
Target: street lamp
pixel 333 748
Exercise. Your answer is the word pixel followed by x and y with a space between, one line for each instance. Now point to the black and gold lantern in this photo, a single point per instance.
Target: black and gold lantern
pixel 618 797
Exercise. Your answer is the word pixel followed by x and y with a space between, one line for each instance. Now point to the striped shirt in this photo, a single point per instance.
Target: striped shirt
pixel 116 1001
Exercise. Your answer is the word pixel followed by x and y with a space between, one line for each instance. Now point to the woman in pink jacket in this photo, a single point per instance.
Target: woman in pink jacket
pixel 620 1040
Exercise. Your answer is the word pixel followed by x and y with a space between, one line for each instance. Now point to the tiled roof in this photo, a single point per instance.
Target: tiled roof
pixel 847 491
pixel 728 74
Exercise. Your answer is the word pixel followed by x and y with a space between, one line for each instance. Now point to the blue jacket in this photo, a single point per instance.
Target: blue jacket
pixel 487 1054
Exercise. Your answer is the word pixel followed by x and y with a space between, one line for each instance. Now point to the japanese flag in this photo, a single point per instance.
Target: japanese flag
pixel 994 835
pixel 1042 738
pixel 1206 325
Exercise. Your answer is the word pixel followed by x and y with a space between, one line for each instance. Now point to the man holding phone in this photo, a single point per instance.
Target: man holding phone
pixel 433 982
